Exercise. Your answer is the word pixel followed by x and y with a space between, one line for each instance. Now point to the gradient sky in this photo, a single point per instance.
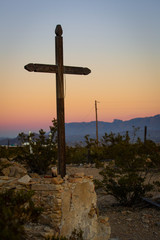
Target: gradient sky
pixel 119 40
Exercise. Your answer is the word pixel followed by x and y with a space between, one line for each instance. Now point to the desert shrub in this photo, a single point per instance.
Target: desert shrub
pixel 10 152
pixel 92 151
pixel 99 164
pixel 16 209
pixel 151 152
pixel 88 152
pixel 82 153
pixel 126 180
pixel 126 186
pixel 3 152
pixel 76 154
pixel 41 151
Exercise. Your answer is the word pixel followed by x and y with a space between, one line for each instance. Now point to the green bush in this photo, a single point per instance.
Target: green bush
pixel 125 185
pixel 16 209
pixel 127 178
pixel 41 152
pixel 88 153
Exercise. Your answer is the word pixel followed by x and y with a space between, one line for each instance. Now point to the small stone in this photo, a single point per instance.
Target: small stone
pixel 47 229
pixel 102 221
pixel 35 180
pixel 57 180
pixel 66 177
pixel 129 219
pixel 47 181
pixel 145 215
pixel 145 220
pixel 124 212
pixel 24 180
pixel 129 211
pixel 17 171
pixel 79 175
pixel 106 219
pixel 89 177
pixel 5 171
pixel 146 226
pixel 34 175
pixel 75 180
pixel 4 177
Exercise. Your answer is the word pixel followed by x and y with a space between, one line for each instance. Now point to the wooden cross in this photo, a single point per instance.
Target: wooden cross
pixel 59 69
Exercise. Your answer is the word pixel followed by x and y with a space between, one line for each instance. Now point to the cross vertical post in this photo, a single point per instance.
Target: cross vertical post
pixel 60 101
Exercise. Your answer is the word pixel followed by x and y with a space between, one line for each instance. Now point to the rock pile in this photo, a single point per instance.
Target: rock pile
pixel 12 169
pixel 68 204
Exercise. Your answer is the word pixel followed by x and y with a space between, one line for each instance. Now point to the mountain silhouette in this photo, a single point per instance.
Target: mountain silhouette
pixel 75 131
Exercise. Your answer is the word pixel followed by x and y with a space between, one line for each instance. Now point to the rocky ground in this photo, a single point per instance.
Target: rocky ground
pixel 140 223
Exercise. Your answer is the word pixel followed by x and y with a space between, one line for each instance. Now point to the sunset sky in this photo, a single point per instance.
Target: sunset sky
pixel 119 40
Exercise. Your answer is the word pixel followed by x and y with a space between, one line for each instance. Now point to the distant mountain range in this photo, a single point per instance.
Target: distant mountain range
pixel 76 131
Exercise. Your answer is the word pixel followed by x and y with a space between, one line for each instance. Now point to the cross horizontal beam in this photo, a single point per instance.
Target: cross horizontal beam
pixel 34 67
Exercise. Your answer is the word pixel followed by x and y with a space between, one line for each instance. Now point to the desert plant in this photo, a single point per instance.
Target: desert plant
pixel 41 151
pixel 16 209
pixel 76 154
pixel 125 185
pixel 126 179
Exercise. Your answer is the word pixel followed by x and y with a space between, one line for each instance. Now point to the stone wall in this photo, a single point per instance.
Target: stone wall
pixel 69 204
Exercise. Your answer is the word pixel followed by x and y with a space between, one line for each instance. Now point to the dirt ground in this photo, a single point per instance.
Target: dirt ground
pixel 140 223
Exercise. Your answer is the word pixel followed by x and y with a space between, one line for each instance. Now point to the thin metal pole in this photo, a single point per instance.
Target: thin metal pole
pixel 96 122
pixel 145 134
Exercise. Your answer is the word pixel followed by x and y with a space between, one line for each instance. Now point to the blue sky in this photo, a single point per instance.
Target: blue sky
pixel 119 40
